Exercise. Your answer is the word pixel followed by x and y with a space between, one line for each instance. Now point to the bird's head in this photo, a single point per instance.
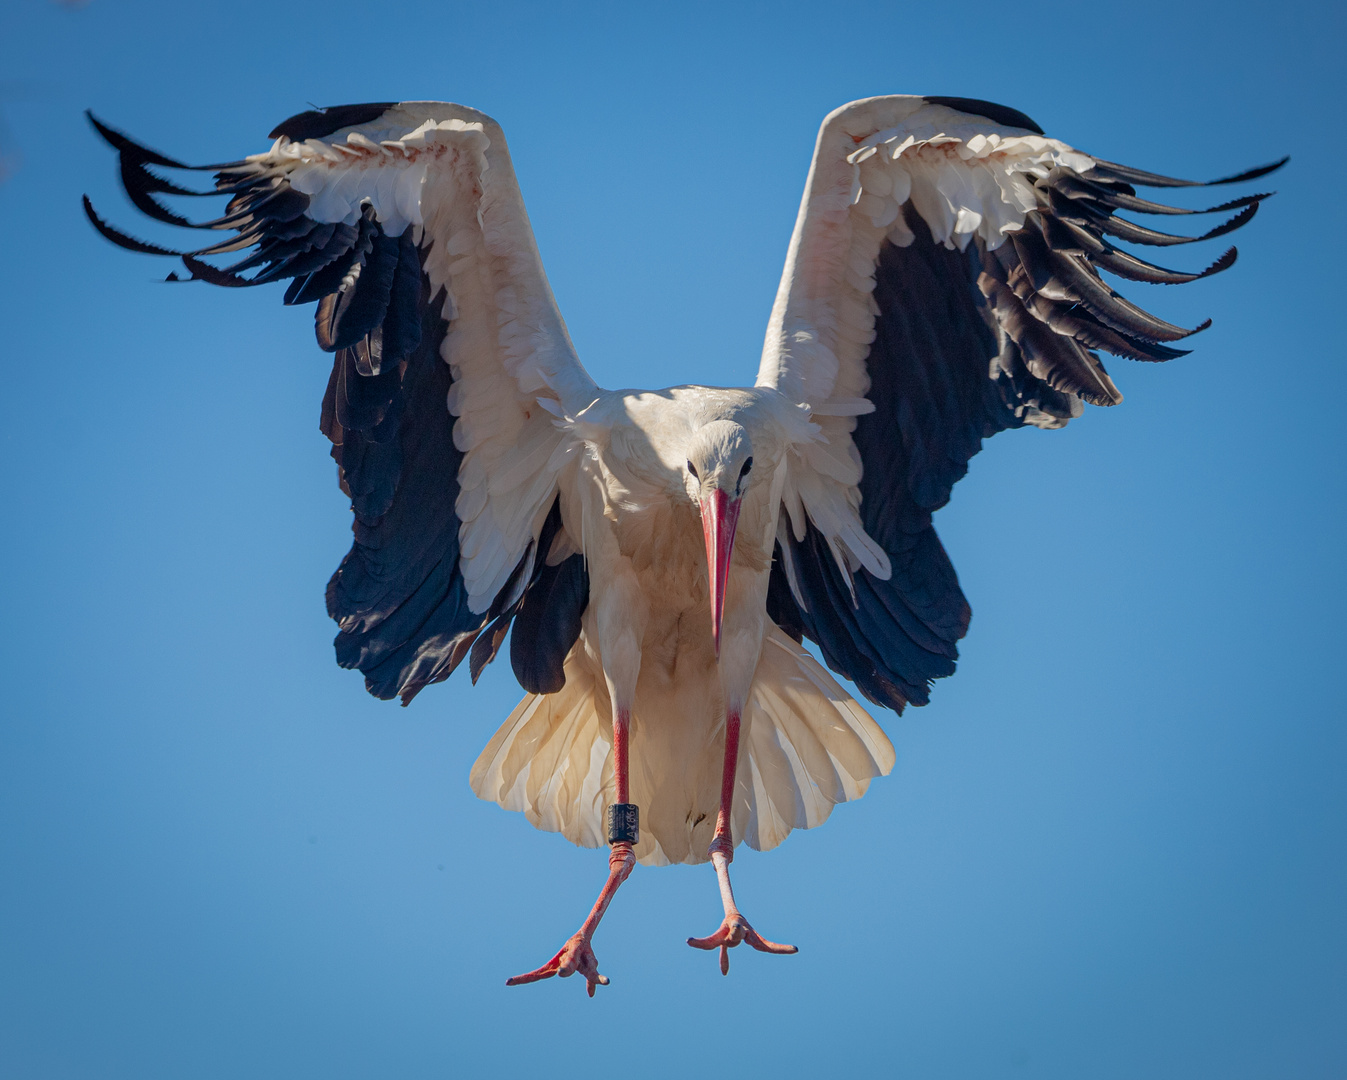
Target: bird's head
pixel 719 470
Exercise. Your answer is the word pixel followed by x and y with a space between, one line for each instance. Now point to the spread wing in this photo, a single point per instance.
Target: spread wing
pixel 404 223
pixel 942 284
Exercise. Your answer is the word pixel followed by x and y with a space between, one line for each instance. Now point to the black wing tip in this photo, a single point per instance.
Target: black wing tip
pixel 110 135
pixel 1238 204
pixel 202 271
pixel 1251 174
pixel 998 114
pixel 1225 262
pixel 124 144
pixel 1112 170
pixel 121 239
pixel 1237 222
pixel 319 123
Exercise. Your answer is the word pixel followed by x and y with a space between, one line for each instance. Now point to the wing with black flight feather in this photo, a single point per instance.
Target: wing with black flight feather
pixel 974 327
pixel 399 596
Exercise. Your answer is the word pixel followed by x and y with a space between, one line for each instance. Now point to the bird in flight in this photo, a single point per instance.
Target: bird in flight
pixel 658 557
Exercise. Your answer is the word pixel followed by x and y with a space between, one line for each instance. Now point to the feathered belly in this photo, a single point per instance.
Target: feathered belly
pixel 807 746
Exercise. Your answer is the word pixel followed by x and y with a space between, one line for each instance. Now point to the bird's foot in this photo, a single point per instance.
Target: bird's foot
pixel 733 930
pixel 577 955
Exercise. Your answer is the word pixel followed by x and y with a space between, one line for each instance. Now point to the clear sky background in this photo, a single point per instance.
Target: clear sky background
pixel 1113 845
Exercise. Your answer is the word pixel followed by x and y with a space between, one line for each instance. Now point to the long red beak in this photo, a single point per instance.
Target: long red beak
pixel 720 516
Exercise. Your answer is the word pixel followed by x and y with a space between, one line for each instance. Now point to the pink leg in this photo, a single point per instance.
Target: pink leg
pixel 578 953
pixel 735 927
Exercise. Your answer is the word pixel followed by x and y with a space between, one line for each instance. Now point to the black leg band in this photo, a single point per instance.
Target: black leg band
pixel 624 823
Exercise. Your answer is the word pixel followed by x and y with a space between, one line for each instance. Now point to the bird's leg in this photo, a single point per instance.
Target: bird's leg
pixel 578 952
pixel 735 927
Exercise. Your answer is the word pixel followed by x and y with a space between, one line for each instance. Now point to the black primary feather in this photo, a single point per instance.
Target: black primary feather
pixel 1125 173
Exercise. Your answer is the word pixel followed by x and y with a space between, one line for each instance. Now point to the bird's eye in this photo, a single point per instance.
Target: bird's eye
pixel 693 470
pixel 747 466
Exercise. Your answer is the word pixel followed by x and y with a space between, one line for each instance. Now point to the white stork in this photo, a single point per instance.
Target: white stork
pixel 661 554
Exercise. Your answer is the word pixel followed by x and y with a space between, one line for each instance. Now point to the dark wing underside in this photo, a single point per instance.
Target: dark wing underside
pixel 398 595
pixel 934 404
pixel 968 344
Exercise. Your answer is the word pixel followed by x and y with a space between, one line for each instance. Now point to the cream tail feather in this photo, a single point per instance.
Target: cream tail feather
pixel 809 746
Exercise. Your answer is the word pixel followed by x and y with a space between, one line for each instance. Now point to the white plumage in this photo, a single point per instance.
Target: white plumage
pixel 809 747
pixel 660 554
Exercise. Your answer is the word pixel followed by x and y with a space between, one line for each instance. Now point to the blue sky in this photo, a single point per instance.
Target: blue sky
pixel 1113 845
